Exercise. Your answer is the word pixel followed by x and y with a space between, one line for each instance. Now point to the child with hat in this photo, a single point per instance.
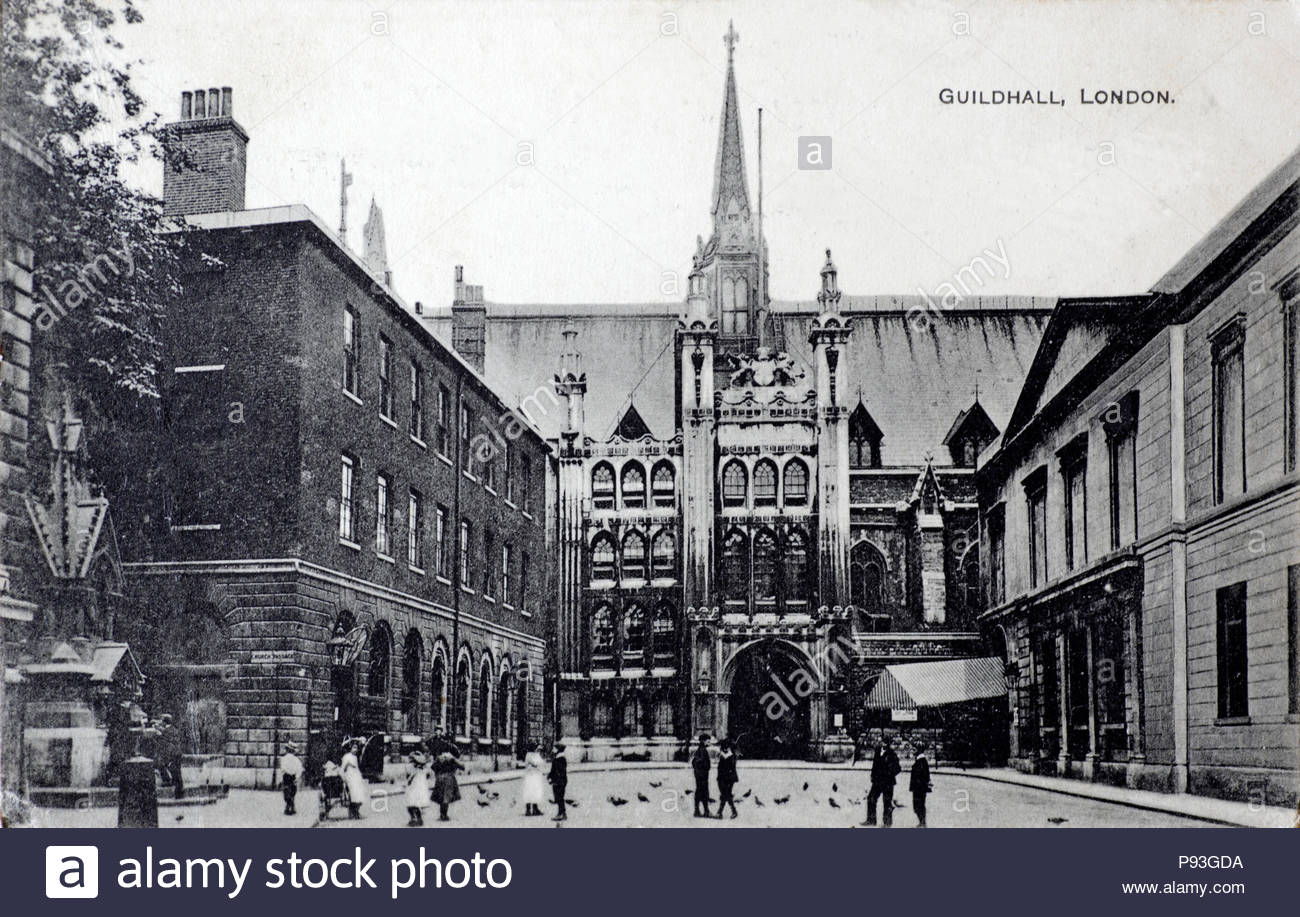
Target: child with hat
pixel 417 789
pixel 290 773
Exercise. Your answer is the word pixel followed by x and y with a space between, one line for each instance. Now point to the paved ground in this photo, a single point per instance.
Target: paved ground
pixel 833 799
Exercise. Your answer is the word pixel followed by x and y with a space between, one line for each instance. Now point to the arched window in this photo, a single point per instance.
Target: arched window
pixel 634 555
pixel 438 692
pixel 864 439
pixel 971 603
pixel 633 486
pixel 602 557
pixel 663 554
pixel 505 698
pixel 632 719
pixel 866 576
pixel 796 566
pixel 602 634
pixel 412 655
pixel 735 566
pixel 796 483
pixel 381 656
pixel 485 724
pixel 665 635
pixel 735 306
pixel 663 484
pixel 765 484
pixel 765 566
pixel 735 484
pixel 662 722
pixel 602 486
pixel 463 694
pixel 634 636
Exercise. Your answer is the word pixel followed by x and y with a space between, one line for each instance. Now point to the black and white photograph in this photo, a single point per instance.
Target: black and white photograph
pixel 681 414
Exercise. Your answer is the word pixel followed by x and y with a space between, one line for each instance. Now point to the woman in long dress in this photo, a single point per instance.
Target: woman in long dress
pixel 534 789
pixel 417 789
pixel 358 793
pixel 446 789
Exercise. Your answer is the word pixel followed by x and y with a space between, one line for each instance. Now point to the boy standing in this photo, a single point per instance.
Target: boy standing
pixel 290 774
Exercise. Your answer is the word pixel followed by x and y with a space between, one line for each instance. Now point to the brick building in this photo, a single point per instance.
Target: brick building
pixel 347 532
pixel 1140 523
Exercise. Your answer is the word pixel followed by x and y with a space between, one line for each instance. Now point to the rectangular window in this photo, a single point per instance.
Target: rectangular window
pixel 487 563
pixel 385 377
pixel 523 581
pixel 506 597
pixel 346 525
pixel 526 481
pixel 417 402
pixel 466 460
pixel 489 468
pixel 444 420
pixel 415 531
pixel 464 554
pixel 1036 499
pixel 440 545
pixel 1230 604
pixel 997 557
pixel 383 516
pixel 1123 489
pixel 1229 412
pixel 1075 478
pixel 350 351
pixel 510 471
pixel 1291 382
pixel 1293 637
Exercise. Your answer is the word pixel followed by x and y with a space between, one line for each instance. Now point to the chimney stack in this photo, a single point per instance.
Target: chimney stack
pixel 209 178
pixel 468 321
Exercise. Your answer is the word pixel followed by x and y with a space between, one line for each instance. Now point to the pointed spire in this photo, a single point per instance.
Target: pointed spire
pixel 374 246
pixel 570 357
pixel 829 297
pixel 731 216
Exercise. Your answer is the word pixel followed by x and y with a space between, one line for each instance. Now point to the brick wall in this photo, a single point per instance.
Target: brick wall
pixel 212 180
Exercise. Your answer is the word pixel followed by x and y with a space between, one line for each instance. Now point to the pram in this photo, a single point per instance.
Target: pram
pixel 333 790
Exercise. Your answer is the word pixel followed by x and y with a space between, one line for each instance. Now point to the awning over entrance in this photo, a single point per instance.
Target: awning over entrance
pixel 932 684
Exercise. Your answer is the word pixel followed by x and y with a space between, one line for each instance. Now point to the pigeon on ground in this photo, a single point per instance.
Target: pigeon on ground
pixel 833 803
pixel 482 803
pixel 1058 820
pixel 642 797
pixel 617 801
pixel 745 795
pixel 758 802
pixel 482 790
pixel 805 786
pixel 656 784
pixel 571 802
pixel 835 787
pixel 687 792
pixel 781 800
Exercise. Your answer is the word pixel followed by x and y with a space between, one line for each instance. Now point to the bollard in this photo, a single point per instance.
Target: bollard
pixel 137 795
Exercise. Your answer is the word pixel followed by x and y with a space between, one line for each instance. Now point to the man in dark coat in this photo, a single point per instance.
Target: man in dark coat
pixel 171 747
pixel 919 784
pixel 727 778
pixel 559 779
pixel 884 768
pixel 701 764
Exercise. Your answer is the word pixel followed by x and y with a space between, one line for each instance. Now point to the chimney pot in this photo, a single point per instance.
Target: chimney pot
pixel 187 106
pixel 460 273
pixel 200 103
pixel 419 307
pixel 227 101
pixel 214 103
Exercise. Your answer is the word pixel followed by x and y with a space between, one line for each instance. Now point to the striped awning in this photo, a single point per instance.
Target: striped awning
pixel 932 684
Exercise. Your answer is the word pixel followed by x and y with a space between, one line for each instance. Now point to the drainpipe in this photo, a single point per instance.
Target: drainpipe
pixel 458 460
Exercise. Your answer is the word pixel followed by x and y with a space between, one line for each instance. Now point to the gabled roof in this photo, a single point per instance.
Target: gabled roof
pixel 974 422
pixel 631 425
pixel 862 425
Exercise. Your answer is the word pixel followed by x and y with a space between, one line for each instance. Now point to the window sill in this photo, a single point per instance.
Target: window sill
pixel 525 613
pixel 197 527
pixel 490 489
pixel 469 476
pixel 511 503
pixel 444 459
pixel 507 606
pixel 1232 721
pixel 419 442
pixel 467 590
pixel 528 515
pixel 388 420
pixel 349 544
pixel 347 394
pixel 442 579
pixel 488 598
pixel 419 571
pixel 386 558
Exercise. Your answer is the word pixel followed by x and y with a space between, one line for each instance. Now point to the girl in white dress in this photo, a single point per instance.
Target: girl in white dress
pixel 356 784
pixel 417 789
pixel 534 789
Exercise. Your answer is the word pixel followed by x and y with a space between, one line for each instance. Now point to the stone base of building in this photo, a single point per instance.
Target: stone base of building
pixel 1257 786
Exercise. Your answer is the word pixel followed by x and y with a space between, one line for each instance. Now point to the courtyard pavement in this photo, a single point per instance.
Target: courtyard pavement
pixel 657 796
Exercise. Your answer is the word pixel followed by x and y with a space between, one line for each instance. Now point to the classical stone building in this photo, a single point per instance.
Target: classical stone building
pixel 755 496
pixel 1140 523
pixel 346 531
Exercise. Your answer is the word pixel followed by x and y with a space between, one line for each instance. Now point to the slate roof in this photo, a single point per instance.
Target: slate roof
pixel 933 684
pixel 915 372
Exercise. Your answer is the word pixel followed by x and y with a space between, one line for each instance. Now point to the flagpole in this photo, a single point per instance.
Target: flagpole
pixel 762 286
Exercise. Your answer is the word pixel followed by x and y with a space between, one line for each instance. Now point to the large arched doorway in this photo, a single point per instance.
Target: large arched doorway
pixel 768 712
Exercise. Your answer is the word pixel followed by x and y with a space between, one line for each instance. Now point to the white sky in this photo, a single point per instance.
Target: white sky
pixel 624 122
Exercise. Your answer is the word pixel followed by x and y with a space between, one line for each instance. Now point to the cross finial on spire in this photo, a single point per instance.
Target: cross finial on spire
pixel 730 39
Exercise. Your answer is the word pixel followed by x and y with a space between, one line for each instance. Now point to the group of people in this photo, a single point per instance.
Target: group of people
pixel 884 770
pixel 430 778
pixel 701 764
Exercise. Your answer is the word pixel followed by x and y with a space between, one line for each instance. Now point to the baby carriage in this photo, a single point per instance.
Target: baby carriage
pixel 333 790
